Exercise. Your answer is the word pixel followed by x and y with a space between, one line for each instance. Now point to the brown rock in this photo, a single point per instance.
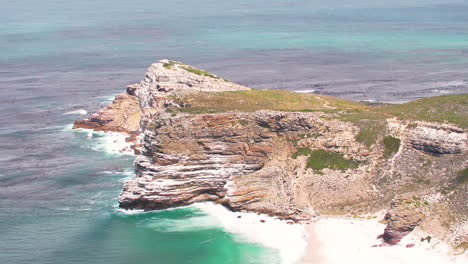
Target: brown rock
pixel 404 215
pixel 122 115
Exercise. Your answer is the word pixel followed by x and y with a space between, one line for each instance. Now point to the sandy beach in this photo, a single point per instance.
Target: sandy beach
pixel 333 240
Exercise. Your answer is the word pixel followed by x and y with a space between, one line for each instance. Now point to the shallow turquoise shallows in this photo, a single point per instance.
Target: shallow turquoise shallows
pixel 59 187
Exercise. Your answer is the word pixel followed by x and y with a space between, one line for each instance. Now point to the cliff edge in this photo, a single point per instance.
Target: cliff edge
pixel 293 155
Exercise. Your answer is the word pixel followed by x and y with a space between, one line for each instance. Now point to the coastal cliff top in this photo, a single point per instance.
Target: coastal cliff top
pixel 168 77
pixel 199 91
pixel 451 109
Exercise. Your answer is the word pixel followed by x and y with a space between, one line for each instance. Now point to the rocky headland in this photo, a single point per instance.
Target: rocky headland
pixel 293 156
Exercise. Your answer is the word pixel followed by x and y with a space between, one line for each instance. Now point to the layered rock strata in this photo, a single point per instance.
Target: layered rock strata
pixel 268 161
pixel 122 115
pixel 207 157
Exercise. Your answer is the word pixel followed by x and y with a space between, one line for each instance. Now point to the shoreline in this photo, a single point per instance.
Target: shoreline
pixel 327 240
pixel 107 141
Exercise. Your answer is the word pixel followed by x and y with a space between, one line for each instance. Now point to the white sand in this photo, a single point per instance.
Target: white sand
pixel 288 240
pixel 330 240
pixel 346 240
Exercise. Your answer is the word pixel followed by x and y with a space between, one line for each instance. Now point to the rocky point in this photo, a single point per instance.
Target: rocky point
pixel 291 164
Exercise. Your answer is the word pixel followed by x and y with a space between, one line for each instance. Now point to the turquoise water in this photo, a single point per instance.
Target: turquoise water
pixel 58 191
pixel 69 214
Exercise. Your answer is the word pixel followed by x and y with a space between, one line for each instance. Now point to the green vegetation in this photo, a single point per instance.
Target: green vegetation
pixel 243 122
pixel 462 176
pixel 152 125
pixel 370 132
pixel 462 246
pixel 412 125
pixel 391 145
pixel 421 180
pixel 427 163
pixel 254 100
pixel 357 115
pixel 446 108
pixel 301 136
pixel 417 202
pixel 320 159
pixel 199 72
pixel 170 64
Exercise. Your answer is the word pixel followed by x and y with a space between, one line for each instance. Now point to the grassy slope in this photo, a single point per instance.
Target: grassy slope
pixel 446 108
pixel 450 108
pixel 253 100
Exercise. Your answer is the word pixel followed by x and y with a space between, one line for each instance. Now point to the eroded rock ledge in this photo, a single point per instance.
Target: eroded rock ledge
pixel 293 165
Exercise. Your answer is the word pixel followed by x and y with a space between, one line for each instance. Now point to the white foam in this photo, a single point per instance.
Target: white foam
pixel 67 128
pixel 345 240
pixel 76 112
pixel 128 173
pixel 112 142
pixel 195 222
pixel 107 98
pixel 288 240
pixel 128 212
pixel 440 91
pixel 141 211
pixel 305 91
pixel 459 83
pixel 109 142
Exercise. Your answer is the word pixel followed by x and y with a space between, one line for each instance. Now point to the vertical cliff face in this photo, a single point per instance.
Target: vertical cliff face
pixel 264 162
pixel 238 159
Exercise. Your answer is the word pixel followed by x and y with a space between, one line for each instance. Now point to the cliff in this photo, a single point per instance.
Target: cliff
pixel 294 155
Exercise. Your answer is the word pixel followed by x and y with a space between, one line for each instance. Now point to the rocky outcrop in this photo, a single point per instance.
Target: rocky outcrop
pixel 164 81
pixel 404 215
pixel 293 165
pixel 196 157
pixel 167 77
pixel 122 115
pixel 434 139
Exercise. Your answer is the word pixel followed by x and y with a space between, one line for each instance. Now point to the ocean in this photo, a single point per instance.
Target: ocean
pixel 61 60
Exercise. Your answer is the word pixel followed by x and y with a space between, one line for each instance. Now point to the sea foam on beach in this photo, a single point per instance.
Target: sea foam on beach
pixel 288 240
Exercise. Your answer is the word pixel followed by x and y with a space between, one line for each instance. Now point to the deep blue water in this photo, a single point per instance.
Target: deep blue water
pixel 58 194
